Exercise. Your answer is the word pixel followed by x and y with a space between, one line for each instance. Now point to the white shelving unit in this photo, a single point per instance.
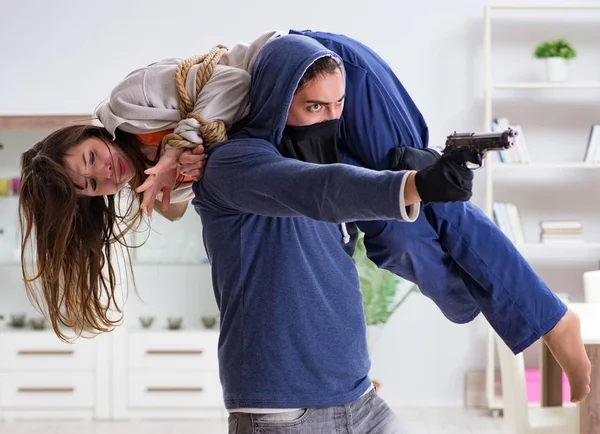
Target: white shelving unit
pixel 494 402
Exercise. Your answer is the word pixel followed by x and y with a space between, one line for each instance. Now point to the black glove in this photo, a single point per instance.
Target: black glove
pixel 448 179
pixel 405 158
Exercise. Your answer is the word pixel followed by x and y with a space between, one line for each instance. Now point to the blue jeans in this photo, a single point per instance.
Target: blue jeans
pixel 367 415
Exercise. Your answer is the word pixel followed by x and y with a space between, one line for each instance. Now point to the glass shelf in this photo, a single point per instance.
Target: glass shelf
pixel 149 263
pixel 164 329
pixel 203 263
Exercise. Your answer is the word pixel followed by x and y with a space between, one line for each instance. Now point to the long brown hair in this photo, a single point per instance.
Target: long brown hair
pixel 73 278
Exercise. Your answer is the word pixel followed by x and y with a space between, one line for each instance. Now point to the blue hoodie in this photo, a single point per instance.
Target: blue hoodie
pixel 292 324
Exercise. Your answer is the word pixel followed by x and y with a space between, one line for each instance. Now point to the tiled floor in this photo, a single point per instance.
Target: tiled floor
pixel 417 421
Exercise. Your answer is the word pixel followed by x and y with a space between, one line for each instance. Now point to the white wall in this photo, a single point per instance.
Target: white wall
pixel 64 57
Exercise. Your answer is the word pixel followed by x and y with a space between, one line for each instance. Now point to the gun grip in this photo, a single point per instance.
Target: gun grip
pixel 470 160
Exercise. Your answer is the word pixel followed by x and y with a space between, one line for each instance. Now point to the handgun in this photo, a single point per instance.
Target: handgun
pixel 479 144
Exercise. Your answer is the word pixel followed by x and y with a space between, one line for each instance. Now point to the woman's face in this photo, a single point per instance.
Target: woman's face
pixel 98 168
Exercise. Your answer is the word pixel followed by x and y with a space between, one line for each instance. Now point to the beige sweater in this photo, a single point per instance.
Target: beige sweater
pixel 147 99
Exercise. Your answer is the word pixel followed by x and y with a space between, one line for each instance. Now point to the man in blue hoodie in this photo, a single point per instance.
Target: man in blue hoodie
pixel 292 347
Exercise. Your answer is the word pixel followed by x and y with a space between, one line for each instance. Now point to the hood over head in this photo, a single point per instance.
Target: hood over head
pixel 279 67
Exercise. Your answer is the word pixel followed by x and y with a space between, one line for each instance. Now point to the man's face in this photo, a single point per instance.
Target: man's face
pixel 320 100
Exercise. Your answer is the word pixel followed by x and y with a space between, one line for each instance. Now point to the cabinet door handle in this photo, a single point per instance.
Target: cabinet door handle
pixel 45 352
pixel 46 389
pixel 174 352
pixel 174 389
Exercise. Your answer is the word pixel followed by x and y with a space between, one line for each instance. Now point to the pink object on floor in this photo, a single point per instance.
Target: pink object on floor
pixel 534 388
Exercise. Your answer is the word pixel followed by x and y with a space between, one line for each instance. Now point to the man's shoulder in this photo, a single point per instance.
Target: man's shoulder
pixel 240 146
pixel 226 170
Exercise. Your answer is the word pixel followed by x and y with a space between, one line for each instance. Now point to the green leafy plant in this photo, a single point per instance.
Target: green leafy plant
pixel 557 48
pixel 380 289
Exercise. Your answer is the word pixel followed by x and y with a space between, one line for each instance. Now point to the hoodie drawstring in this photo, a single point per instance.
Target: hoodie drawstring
pixel 345 233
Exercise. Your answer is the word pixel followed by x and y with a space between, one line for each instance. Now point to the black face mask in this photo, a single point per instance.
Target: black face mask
pixel 313 144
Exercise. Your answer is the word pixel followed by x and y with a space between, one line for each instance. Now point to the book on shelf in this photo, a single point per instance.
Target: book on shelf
pixel 508 219
pixel 561 225
pixel 561 231
pixel 519 153
pixel 592 152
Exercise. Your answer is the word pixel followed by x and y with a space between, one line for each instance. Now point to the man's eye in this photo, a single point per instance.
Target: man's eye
pixel 314 108
pixel 92 157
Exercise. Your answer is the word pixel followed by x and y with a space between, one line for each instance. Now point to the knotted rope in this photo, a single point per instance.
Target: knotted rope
pixel 211 132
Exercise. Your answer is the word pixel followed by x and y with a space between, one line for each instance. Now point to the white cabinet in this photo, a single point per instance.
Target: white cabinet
pixel 174 390
pixel 32 351
pixel 122 375
pixel 24 390
pixel 161 350
pixel 42 377
pixel 164 374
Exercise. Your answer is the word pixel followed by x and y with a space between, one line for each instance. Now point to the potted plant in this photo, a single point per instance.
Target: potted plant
pixel 382 293
pixel 557 54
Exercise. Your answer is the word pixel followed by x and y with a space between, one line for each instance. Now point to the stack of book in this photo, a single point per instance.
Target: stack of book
pixel 560 231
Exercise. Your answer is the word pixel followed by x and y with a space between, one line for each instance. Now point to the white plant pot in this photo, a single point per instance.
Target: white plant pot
pixel 557 69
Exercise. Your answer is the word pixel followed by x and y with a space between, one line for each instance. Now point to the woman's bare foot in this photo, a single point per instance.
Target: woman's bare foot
pixel 565 344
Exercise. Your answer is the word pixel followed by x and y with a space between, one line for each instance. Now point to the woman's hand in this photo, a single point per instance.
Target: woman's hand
pixel 161 177
pixel 192 163
pixel 154 184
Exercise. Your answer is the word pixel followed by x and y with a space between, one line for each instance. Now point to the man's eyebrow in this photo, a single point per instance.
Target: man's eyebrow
pixel 315 101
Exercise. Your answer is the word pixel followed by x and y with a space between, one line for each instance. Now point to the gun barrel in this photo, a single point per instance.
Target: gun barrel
pixel 484 141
